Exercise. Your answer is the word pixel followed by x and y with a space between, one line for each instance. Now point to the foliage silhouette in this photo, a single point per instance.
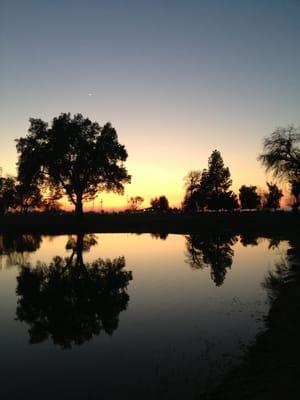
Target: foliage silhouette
pixel 249 198
pixel 28 197
pixel 282 153
pixel 135 202
pixel 7 194
pixel 73 156
pixel 160 204
pixel 295 192
pixel 209 189
pixel 273 196
pixel 70 301
pixel 215 251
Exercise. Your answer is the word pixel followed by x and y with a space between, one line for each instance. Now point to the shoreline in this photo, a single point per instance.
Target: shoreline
pixel 270 367
pixel 281 224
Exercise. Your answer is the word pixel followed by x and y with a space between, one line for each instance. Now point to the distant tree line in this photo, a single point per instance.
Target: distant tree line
pixel 209 189
pixel 23 197
pixel 77 158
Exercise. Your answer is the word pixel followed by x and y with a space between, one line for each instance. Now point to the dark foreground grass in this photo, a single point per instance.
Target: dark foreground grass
pixel 280 224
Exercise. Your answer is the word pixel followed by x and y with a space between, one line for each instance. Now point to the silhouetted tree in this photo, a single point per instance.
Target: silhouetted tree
pixel 209 189
pixel 192 181
pixel 69 301
pixel 295 192
pixel 215 252
pixel 273 196
pixel 282 153
pixel 27 197
pixel 218 175
pixel 249 198
pixel 7 194
pixel 160 204
pixel 73 156
pixel 223 201
pixel 196 193
pixel 135 202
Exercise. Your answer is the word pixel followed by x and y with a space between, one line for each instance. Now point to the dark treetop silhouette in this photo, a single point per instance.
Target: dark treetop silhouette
pixel 282 153
pixel 160 204
pixel 7 194
pixel 70 301
pixel 282 157
pixel 18 196
pixel 273 196
pixel 209 189
pixel 73 156
pixel 249 198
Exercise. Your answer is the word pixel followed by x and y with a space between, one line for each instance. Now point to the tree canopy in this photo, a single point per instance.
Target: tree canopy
pixel 209 188
pixel 273 196
pixel 249 198
pixel 160 203
pixel 74 157
pixel 134 202
pixel 7 194
pixel 281 154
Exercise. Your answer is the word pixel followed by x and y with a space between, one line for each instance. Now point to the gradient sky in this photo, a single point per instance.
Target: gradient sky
pixel 177 79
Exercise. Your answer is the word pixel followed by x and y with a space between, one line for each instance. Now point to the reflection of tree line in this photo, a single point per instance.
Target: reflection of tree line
pixel 15 248
pixel 68 300
pixel 216 251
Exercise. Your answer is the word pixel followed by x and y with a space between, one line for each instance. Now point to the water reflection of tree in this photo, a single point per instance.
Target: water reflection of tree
pixel 248 239
pixel 15 248
pixel 285 271
pixel 214 251
pixel 159 235
pixel 70 301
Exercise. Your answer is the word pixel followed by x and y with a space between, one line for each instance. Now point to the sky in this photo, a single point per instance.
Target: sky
pixel 177 79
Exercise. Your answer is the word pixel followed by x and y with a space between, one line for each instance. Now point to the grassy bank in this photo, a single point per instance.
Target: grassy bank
pixel 270 368
pixel 257 223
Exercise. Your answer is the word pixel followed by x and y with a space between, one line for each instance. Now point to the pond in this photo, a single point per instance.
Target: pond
pixel 151 316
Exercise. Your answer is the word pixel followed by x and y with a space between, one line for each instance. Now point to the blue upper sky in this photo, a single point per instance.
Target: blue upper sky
pixel 176 78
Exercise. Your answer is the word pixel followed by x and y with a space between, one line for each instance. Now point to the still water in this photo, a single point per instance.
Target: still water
pixel 133 316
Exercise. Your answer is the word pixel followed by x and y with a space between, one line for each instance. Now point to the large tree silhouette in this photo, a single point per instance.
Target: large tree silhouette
pixel 209 189
pixel 70 301
pixel 214 251
pixel 281 154
pixel 73 156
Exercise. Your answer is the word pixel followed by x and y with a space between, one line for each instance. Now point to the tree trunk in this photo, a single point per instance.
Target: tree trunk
pixel 79 207
pixel 79 249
